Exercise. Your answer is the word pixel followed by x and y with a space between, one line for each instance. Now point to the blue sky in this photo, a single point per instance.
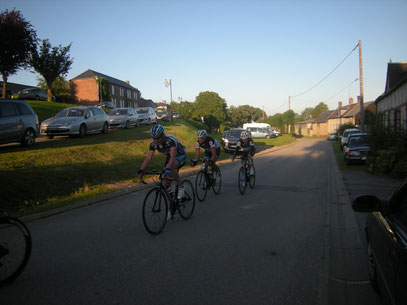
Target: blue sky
pixel 250 52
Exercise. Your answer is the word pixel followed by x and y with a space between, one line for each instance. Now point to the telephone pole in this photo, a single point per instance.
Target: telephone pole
pixel 362 109
pixel 289 103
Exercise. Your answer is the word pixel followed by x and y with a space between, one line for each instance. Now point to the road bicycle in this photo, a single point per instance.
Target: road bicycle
pixel 206 180
pixel 159 200
pixel 247 174
pixel 15 248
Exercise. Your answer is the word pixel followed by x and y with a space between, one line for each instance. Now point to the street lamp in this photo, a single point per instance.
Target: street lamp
pixel 166 84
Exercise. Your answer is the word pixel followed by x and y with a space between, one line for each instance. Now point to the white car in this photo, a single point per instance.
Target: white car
pixel 123 118
pixel 146 115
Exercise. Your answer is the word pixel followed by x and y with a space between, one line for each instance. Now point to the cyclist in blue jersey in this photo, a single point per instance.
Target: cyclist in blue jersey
pixel 210 145
pixel 173 149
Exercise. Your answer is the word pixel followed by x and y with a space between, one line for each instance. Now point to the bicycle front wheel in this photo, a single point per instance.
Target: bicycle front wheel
pixel 155 209
pixel 15 248
pixel 242 180
pixel 217 180
pixel 201 184
pixel 186 204
pixel 252 176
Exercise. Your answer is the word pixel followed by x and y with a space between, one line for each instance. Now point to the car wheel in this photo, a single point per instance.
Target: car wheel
pixel 106 128
pixel 372 268
pixel 127 124
pixel 28 138
pixel 82 131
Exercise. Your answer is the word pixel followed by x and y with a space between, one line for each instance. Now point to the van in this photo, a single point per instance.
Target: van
pixel 261 130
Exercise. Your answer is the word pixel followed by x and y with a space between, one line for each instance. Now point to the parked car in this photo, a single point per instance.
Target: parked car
pixel 175 115
pixel 263 133
pixel 123 117
pixel 76 121
pixel 162 115
pixel 230 138
pixel 345 135
pixel 357 148
pixel 332 136
pixel 147 115
pixel 18 122
pixel 34 94
pixel 108 105
pixel 386 233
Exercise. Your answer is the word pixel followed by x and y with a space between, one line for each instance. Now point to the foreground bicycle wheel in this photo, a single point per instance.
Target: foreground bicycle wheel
pixel 186 205
pixel 217 180
pixel 201 184
pixel 15 248
pixel 155 209
pixel 252 178
pixel 242 180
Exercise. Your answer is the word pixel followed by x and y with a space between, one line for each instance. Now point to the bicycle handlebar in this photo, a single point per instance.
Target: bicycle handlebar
pixel 154 172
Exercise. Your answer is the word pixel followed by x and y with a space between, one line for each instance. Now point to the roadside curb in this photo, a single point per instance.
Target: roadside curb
pixel 184 173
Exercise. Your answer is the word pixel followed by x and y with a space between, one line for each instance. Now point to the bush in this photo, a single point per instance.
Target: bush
pixel 343 127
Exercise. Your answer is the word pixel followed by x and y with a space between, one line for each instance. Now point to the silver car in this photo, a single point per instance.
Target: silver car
pixel 18 123
pixel 34 94
pixel 123 117
pixel 147 115
pixel 76 121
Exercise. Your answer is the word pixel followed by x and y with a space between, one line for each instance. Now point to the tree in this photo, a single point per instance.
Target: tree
pixel 51 62
pixel 186 109
pixel 60 88
pixel 210 104
pixel 17 40
pixel 306 114
pixel 321 107
pixel 288 119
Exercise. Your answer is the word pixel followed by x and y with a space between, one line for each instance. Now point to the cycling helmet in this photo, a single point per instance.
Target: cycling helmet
pixel 244 135
pixel 156 131
pixel 201 134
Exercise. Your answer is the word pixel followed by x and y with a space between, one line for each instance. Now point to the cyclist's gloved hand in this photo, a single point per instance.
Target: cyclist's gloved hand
pixel 194 162
pixel 167 172
pixel 140 173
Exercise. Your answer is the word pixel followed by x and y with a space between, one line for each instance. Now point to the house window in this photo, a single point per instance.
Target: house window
pixel 112 89
pixel 121 92
pixel 128 93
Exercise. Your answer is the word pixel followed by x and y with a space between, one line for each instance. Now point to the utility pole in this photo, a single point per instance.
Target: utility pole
pixel 362 109
pixel 263 112
pixel 289 103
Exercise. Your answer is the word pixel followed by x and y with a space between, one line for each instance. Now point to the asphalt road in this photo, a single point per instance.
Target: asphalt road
pixel 291 240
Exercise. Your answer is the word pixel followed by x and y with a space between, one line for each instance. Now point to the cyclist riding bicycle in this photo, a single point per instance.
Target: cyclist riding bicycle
pixel 176 156
pixel 246 145
pixel 211 147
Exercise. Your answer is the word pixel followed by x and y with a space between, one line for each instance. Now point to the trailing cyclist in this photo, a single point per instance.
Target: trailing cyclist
pixel 246 145
pixel 176 156
pixel 211 147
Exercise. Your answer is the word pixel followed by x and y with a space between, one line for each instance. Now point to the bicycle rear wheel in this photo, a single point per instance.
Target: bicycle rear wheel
pixel 242 180
pixel 201 184
pixel 155 209
pixel 15 248
pixel 217 180
pixel 186 204
pixel 252 178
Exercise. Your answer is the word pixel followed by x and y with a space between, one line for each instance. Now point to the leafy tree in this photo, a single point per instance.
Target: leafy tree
pixel 60 87
pixel 276 121
pixel 17 40
pixel 289 118
pixel 321 107
pixel 104 85
pixel 306 114
pixel 174 106
pixel 186 109
pixel 210 104
pixel 243 114
pixel 51 62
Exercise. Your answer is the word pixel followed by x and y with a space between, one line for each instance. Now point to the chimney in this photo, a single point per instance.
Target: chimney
pixel 127 82
pixel 350 101
pixel 358 99
pixel 164 102
pixel 339 104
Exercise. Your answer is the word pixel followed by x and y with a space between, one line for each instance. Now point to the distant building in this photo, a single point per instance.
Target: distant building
pixel 85 90
pixel 13 87
pixel 392 104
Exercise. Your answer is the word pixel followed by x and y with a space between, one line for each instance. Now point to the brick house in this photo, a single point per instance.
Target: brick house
pixel 85 90
pixel 392 104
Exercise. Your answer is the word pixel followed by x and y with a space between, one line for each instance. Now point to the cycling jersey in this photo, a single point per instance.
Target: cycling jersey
pixel 245 148
pixel 208 144
pixel 169 141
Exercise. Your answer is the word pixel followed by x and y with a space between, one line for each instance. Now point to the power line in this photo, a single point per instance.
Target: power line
pixel 341 90
pixel 329 73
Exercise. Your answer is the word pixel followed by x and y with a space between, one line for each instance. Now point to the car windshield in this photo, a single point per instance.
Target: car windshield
pixel 118 112
pixel 73 112
pixel 142 111
pixel 346 133
pixel 234 134
pixel 357 141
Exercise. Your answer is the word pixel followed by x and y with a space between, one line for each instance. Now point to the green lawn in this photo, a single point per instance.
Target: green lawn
pixel 55 173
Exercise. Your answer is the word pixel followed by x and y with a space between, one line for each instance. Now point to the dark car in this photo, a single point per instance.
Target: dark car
pixel 346 133
pixel 18 122
pixel 34 94
pixel 357 148
pixel 386 232
pixel 230 138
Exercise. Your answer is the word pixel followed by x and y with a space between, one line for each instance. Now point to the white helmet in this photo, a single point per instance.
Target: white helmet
pixel 244 135
pixel 201 134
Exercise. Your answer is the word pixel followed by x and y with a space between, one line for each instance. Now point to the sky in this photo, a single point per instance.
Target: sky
pixel 253 52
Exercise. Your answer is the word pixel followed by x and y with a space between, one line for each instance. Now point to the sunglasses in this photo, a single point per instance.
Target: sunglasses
pixel 157 138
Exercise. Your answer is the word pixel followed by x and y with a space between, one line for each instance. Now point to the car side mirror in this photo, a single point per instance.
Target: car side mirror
pixel 366 204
